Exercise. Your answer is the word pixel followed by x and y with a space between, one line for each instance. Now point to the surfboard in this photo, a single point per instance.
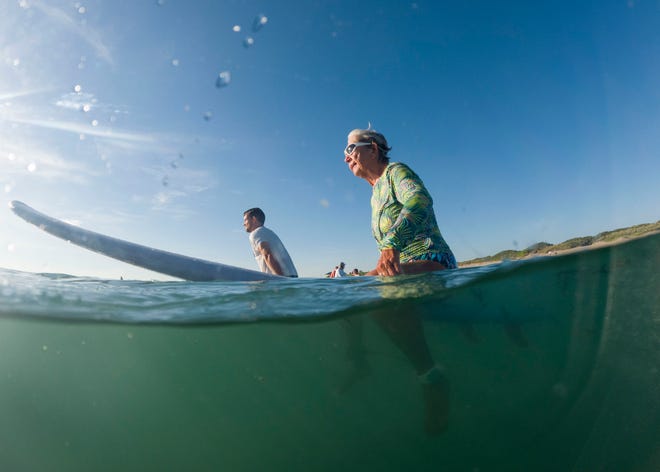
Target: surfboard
pixel 163 262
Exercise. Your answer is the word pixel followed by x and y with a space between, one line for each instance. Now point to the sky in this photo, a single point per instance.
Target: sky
pixel 161 121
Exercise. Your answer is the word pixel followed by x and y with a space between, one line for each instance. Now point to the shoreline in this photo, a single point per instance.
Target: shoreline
pixel 596 245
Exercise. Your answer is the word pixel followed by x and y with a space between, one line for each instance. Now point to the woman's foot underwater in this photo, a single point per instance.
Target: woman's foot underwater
pixel 435 390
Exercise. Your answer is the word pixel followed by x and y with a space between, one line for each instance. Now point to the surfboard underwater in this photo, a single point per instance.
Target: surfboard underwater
pixel 164 262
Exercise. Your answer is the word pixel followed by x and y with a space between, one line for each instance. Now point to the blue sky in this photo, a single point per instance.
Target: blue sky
pixel 528 122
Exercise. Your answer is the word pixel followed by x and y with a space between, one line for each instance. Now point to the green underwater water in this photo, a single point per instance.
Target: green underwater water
pixel 560 371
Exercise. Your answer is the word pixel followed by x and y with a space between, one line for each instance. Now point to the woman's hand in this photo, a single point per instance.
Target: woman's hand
pixel 388 263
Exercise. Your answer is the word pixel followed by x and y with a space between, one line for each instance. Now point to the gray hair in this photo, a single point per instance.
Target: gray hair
pixel 373 136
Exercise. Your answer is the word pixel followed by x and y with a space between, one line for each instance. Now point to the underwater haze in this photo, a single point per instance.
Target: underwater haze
pixel 552 362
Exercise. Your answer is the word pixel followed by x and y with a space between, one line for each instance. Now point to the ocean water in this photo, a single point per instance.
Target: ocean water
pixel 554 364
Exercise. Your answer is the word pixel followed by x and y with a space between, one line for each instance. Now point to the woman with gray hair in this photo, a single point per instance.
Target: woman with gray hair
pixel 406 231
pixel 402 217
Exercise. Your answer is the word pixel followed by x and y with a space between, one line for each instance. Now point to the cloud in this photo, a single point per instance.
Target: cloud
pixel 164 197
pixel 77 101
pixel 35 148
pixel 41 163
pixel 179 184
pixel 90 36
pixel 165 202
pixel 136 142
pixel 22 93
pixel 86 129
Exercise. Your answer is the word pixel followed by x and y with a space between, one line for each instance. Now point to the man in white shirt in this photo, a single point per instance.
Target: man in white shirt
pixel 270 253
pixel 340 270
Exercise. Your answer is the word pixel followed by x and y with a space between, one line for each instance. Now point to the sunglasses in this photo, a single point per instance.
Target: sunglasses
pixel 350 149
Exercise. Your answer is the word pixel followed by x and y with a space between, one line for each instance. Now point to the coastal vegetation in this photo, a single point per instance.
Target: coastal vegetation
pixel 544 248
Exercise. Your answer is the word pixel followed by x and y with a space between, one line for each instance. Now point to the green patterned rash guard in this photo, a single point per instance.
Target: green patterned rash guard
pixel 402 217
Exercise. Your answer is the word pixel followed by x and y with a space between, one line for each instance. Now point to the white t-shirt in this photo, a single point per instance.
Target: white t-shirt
pixel 340 272
pixel 263 234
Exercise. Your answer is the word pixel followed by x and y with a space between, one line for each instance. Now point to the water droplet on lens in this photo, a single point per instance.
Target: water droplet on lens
pixel 77 88
pixel 166 181
pixel 31 167
pixel 223 79
pixel 175 62
pixel 236 29
pixel 95 122
pixel 259 22
pixel 174 163
pixel 207 116
pixel 247 42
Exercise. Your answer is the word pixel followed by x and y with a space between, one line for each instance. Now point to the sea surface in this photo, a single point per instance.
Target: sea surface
pixel 554 365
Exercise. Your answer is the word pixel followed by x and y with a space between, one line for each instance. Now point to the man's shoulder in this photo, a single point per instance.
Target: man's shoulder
pixel 262 233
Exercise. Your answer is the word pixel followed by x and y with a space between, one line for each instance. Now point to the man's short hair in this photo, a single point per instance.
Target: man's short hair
pixel 257 213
